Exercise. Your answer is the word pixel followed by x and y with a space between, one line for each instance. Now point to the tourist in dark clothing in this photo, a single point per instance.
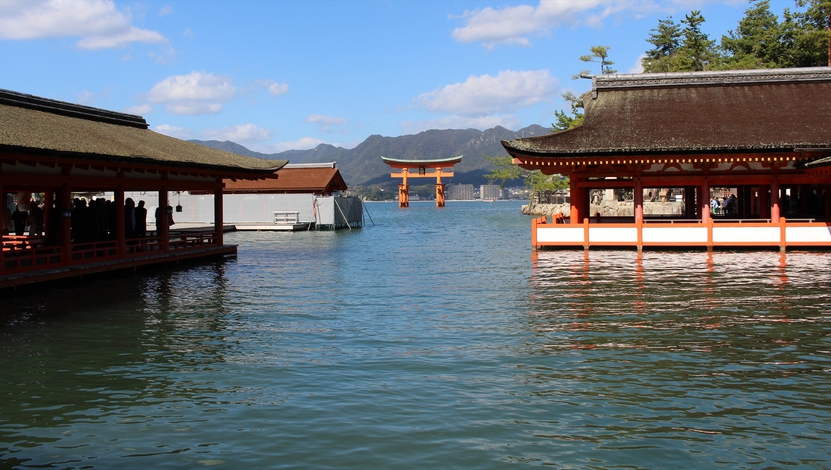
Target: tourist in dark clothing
pixel 19 218
pixel 141 220
pixel 129 218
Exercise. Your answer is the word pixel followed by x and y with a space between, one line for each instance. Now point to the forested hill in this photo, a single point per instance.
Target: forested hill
pixel 362 165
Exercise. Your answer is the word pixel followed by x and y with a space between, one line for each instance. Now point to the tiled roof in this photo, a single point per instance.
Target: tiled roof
pixel 757 110
pixel 292 180
pixel 38 126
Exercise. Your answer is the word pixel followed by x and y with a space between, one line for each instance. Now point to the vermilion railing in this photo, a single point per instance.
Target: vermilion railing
pixel 27 254
pixel 681 233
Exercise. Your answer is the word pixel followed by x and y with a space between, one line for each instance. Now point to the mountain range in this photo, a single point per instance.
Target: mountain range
pixel 362 165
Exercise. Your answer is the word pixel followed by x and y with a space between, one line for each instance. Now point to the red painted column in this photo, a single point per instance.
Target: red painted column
pixel 3 202
pixel 704 201
pixel 764 201
pixel 639 211
pixel 576 200
pixel 638 201
pixel 689 201
pixel 218 217
pixel 120 235
pixel 774 202
pixel 828 202
pixel 162 221
pixel 65 206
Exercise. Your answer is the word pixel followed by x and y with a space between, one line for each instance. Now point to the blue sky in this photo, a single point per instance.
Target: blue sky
pixel 280 75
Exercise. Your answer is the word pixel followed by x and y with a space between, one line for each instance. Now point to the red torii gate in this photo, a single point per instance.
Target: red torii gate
pixel 420 168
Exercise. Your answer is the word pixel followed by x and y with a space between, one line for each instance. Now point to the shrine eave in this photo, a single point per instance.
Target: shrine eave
pixel 405 163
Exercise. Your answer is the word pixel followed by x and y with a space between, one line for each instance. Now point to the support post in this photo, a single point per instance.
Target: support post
pixel 120 234
pixel 828 202
pixel 65 231
pixel 704 201
pixel 162 221
pixel 439 195
pixel 639 211
pixel 774 202
pixel 764 201
pixel 404 190
pixel 576 200
pixel 218 217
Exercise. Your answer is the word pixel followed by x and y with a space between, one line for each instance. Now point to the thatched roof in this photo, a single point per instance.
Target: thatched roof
pixel 35 126
pixel 729 112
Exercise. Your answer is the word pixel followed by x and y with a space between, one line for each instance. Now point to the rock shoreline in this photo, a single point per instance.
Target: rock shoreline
pixel 608 209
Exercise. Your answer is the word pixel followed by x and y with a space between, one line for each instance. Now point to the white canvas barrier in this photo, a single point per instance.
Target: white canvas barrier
pixel 671 234
pixel 336 211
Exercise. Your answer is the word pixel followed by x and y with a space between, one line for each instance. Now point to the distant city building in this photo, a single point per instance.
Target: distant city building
pixel 460 192
pixel 489 191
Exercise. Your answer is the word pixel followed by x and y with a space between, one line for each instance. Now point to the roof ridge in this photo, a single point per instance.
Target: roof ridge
pixel 63 108
pixel 720 77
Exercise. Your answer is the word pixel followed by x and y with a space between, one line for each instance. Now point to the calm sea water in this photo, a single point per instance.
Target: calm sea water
pixel 434 338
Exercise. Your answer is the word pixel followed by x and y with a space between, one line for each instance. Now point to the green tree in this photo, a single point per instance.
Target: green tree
pixel 666 39
pixel 756 42
pixel 697 51
pixel 600 55
pixel 505 170
pixel 564 121
pixel 806 35
pixel 538 182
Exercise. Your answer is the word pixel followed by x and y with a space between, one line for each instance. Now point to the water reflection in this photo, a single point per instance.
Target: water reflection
pixel 688 346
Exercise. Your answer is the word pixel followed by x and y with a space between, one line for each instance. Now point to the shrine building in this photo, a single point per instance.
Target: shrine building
pixel 762 137
pixel 68 154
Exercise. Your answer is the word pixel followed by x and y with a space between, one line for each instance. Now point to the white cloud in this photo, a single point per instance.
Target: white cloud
pixel 462 122
pixel 278 89
pixel 516 25
pixel 637 67
pixel 173 131
pixel 242 133
pixel 166 10
pixel 195 93
pixel 86 97
pixel 486 94
pixel 139 110
pixel 97 22
pixel 325 123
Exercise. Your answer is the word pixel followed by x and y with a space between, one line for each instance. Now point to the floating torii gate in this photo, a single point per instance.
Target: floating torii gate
pixel 420 168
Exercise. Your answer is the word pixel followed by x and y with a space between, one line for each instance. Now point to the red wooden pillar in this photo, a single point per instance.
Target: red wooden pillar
pixel 764 201
pixel 65 232
pixel 774 202
pixel 576 200
pixel 689 201
pixel 638 201
pixel 218 216
pixel 754 201
pixel 703 201
pixel 828 202
pixel 120 233
pixel 162 221
pixel 639 211
pixel 3 202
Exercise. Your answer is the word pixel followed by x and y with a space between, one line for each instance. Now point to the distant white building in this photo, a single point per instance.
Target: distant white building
pixel 460 192
pixel 489 192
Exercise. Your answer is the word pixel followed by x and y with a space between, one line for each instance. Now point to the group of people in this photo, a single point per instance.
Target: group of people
pixel 90 221
pixel 725 206
pixel 20 215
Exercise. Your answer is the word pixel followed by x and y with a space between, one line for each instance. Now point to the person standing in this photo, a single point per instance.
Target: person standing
pixel 141 220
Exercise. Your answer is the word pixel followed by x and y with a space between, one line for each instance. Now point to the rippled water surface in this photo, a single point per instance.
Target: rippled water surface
pixel 434 338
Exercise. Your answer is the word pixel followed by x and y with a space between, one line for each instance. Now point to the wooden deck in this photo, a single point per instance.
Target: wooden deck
pixel 27 260
pixel 682 234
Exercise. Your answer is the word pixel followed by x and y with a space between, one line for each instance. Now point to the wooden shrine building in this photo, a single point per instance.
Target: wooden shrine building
pixel 762 135
pixel 54 150
pixel 438 168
